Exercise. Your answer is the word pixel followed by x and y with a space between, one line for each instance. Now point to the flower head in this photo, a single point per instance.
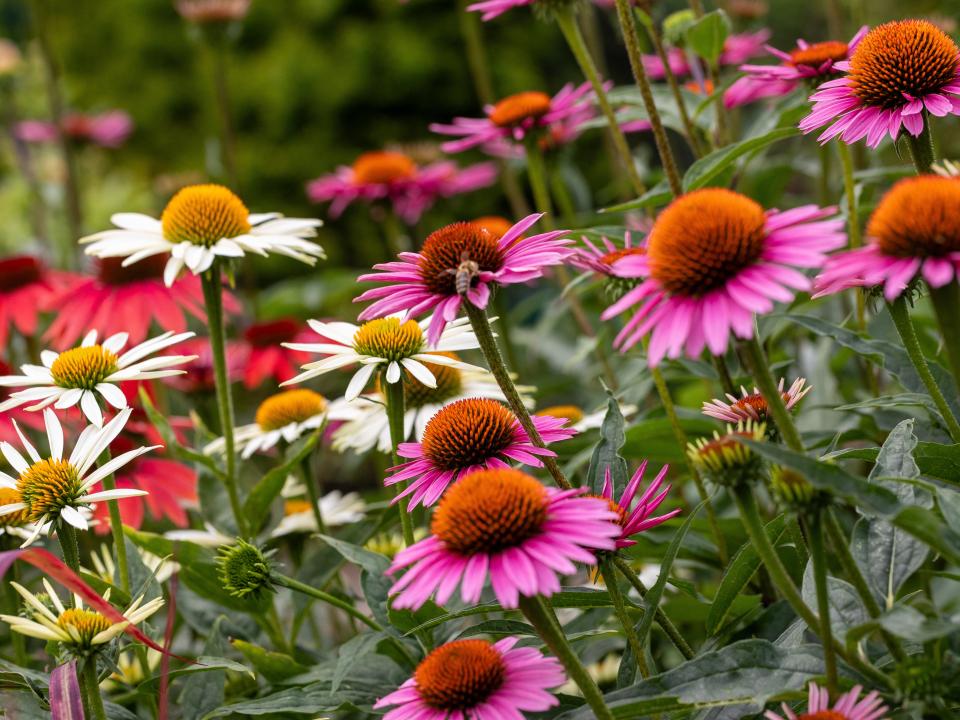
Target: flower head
pixel 737 49
pixel 245 569
pixel 503 523
pixel 476 679
pixel 27 289
pixel 724 459
pixel 212 11
pixel 715 258
pixel 109 129
pixel 635 519
pixel 751 405
pixel 83 375
pixel 431 280
pixel 200 224
pixel 899 72
pixel 468 435
pixel 849 706
pixel 336 509
pixel 53 488
pixel 913 232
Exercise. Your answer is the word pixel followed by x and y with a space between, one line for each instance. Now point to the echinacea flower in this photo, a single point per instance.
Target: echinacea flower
pixel 27 289
pixel 600 260
pixel 495 8
pixel 751 405
pixel 427 281
pixel 849 706
pixel 104 567
pixel 900 72
pixel 81 629
pixel 913 232
pixel 267 357
pixel 109 129
pixel 53 488
pixel 286 416
pixel 469 435
pixel 634 519
pixel 394 176
pixel 723 459
pixel 504 524
pixel 209 537
pixel 335 509
pixel 200 224
pixel 80 375
pixel 212 11
pixel 808 62
pixel 714 259
pixel 737 49
pixel 387 344
pixel 479 680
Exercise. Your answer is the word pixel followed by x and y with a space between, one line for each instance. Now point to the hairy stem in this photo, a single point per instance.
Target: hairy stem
pixel 395 415
pixel 921 148
pixel 818 555
pixel 611 580
pixel 116 527
pixel 760 369
pixel 946 303
pixel 91 683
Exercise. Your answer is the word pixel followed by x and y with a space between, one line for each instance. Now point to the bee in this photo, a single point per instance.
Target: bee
pixel 464 274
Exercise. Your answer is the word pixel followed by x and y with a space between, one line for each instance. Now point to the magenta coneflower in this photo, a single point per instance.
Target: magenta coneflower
pixel 900 72
pixel 639 518
pixel 478 680
pixel 109 129
pixel 715 258
pixel 467 435
pixel 806 63
pixel 915 230
pixel 737 49
pixel 266 358
pixel 600 260
pixel 27 289
pixel 395 177
pixel 505 524
pixel 495 8
pixel 427 281
pixel 751 405
pixel 871 707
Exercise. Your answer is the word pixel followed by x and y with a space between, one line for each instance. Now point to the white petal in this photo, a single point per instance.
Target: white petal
pixel 113 395
pixel 91 408
pixel 115 343
pixel 393 372
pixel 359 381
pixel 72 516
pixel 115 463
pixel 137 222
pixel 420 372
pixel 113 495
pixel 89 339
pixel 48 357
pixel 54 434
pixel 170 272
pixel 14 458
pixel 69 398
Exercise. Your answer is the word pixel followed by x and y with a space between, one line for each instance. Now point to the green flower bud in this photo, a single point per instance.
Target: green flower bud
pixel 245 569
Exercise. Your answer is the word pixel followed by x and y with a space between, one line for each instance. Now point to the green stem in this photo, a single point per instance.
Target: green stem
pixel 11 601
pixel 760 369
pixel 67 535
pixel 723 372
pixel 313 492
pixel 946 305
pixel 853 222
pixel 901 319
pixel 488 346
pixel 819 557
pixel 116 527
pixel 628 27
pixel 537 175
pixel 395 419
pixel 571 32
pixel 611 580
pixel 91 681
pixel 213 299
pixel 24 161
pixel 921 148
pixel 542 618
pixel 471 28
pixel 676 637
pixel 219 43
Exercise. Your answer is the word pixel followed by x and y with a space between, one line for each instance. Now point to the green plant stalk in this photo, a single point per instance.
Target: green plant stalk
pixel 723 372
pixel 67 535
pixel 395 414
pixel 218 43
pixel 853 220
pixel 921 147
pixel 24 161
pixel 901 319
pixel 488 346
pixel 544 621
pixel 760 369
pixel 537 175
pixel 571 32
pixel 213 299
pixel 313 492
pixel 611 580
pixel 814 524
pixel 11 603
pixel 676 637
pixel 116 527
pixel 93 705
pixel 946 304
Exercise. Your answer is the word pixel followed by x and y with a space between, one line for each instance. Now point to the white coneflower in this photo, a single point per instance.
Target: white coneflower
pixel 336 509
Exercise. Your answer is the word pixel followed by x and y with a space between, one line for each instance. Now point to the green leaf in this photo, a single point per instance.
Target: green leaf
pixel 706 168
pixel 846 609
pixel 949 502
pixel 910 624
pixel 205 691
pixel 357 648
pixel 203 664
pixel 657 196
pixel 606 455
pixel 933 459
pixel 738 574
pixel 266 490
pixel 368 560
pixel 706 37
pixel 274 666
pixel 171 445
pixel 499 627
pixel 654 439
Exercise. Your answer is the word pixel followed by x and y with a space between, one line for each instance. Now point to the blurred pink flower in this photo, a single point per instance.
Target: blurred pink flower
pixel 27 289
pixel 266 358
pixel 109 129
pixel 736 50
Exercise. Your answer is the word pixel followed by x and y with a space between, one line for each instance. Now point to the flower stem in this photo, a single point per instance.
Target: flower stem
pixel 213 299
pixel 116 527
pixel 628 26
pixel 218 46
pixel 901 319
pixel 472 32
pixel 488 346
pixel 537 175
pixel 921 148
pixel 723 372
pixel 611 580
pixel 814 529
pixel 853 221
pixel 395 419
pixel 574 37
pixel 760 369
pixel 313 492
pixel 946 303
pixel 544 621
pixel 67 535
pixel 91 681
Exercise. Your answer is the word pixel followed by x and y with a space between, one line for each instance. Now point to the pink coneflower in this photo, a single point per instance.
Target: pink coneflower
pixel 517 116
pixel 737 49
pixel 806 63
pixel 266 358
pixel 505 524
pixel 915 230
pixel 600 260
pixel 751 405
pixel 495 8
pixel 846 707
pixel 478 680
pixel 715 258
pixel 427 281
pixel 27 289
pixel 394 176
pixel 900 72
pixel 129 299
pixel 467 435
pixel 639 518
pixel 109 129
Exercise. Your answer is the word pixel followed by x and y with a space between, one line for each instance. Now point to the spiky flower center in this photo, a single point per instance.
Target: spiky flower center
pixel 271 334
pixel 111 271
pixel 819 53
pixel 494 224
pixel 903 57
pixel 611 257
pixel 489 511
pixel 449 384
pixel 16 272
pixel 445 250
pixel 468 432
pixel 9 496
pixel 204 215
pixel 83 625
pixel 290 406
pixel 83 367
pixel 571 412
pixel 751 406
pixel 48 486
pixel 514 109
pixel 460 675
pixel 382 168
pixel 824 715
pixel 388 338
pixel 704 239
pixel 918 217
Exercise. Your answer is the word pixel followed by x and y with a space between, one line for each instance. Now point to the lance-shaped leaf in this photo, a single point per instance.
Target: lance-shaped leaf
pixel 607 452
